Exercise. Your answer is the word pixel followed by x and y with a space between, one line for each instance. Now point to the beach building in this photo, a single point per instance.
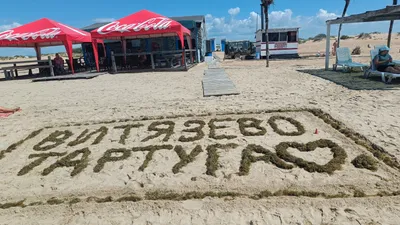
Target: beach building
pixel 196 25
pixel 282 42
pixel 223 42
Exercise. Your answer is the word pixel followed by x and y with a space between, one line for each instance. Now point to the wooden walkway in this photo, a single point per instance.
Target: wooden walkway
pixel 217 83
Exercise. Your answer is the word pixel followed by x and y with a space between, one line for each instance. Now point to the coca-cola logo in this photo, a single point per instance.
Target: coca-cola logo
pixel 157 23
pixel 49 33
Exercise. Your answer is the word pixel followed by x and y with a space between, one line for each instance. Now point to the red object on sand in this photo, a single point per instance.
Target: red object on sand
pixel 142 24
pixel 7 114
pixel 316 131
pixel 44 33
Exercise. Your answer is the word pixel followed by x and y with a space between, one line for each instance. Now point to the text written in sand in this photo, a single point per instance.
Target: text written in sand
pixel 270 139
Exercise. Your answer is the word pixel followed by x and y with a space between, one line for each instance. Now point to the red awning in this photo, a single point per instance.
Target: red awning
pixel 44 33
pixel 143 24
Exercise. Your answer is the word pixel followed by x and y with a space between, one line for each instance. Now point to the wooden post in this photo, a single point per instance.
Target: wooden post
pixel 184 59
pixel 152 61
pixel 16 71
pixel 328 45
pixel 51 67
pixel 113 65
pixel 6 74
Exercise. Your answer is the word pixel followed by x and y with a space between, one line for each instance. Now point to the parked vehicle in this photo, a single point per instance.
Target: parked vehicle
pixel 239 49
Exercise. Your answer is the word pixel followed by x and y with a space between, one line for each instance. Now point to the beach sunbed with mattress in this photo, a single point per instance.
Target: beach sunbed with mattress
pixel 386 77
pixel 343 59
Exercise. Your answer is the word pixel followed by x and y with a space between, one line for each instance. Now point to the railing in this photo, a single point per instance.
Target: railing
pixel 186 52
pixel 15 68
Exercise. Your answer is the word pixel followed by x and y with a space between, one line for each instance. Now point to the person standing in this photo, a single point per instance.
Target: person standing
pixel 334 47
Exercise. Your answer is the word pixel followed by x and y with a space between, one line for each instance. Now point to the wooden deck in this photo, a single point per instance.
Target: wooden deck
pixel 217 83
pixel 69 77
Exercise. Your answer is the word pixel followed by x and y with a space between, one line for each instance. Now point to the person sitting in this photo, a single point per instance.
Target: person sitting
pixel 142 59
pixel 59 65
pixel 384 62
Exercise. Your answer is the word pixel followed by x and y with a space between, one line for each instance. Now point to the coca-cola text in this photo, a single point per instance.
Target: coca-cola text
pixel 42 34
pixel 158 23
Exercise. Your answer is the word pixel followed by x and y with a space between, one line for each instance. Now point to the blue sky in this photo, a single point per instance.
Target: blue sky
pixel 234 19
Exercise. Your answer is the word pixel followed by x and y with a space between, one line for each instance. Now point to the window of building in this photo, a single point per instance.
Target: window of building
pixel 292 36
pixel 273 37
pixel 283 36
pixel 264 37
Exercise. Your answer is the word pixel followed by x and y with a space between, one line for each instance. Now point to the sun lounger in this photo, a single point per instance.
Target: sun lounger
pixel 386 77
pixel 345 61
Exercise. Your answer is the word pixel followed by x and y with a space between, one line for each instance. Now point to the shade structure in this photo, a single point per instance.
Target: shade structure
pixel 45 33
pixel 142 24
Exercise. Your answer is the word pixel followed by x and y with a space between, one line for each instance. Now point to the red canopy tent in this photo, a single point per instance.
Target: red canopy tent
pixel 142 24
pixel 45 33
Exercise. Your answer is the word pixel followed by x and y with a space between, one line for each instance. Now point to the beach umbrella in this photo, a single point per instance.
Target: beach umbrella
pixel 45 33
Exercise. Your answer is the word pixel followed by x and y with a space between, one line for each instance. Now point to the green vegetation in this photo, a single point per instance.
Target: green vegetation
pixel 268 157
pixel 67 161
pixel 319 37
pixel 214 127
pixel 198 130
pixel 41 158
pixel 151 150
pixel 77 51
pixel 364 36
pixel 185 159
pixel 254 123
pixel 339 155
pixel 127 130
pixel 169 131
pixel 83 137
pixel 15 145
pixel 213 156
pixel 345 37
pixel 109 157
pixel 300 128
pixel 365 162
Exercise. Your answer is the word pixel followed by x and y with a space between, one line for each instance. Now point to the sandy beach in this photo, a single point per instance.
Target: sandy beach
pixel 118 176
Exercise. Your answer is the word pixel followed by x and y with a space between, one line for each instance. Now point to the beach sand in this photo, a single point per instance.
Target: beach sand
pixel 111 101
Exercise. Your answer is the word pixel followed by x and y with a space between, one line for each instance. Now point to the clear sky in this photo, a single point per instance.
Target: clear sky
pixel 234 19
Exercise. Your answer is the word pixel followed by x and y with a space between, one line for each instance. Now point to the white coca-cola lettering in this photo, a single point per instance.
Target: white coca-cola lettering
pixel 43 34
pixel 158 23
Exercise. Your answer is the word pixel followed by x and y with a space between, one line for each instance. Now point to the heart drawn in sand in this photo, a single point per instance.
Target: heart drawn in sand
pixel 339 155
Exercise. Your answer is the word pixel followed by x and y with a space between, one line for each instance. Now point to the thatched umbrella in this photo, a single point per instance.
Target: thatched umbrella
pixel 343 14
pixel 391 27
pixel 266 4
